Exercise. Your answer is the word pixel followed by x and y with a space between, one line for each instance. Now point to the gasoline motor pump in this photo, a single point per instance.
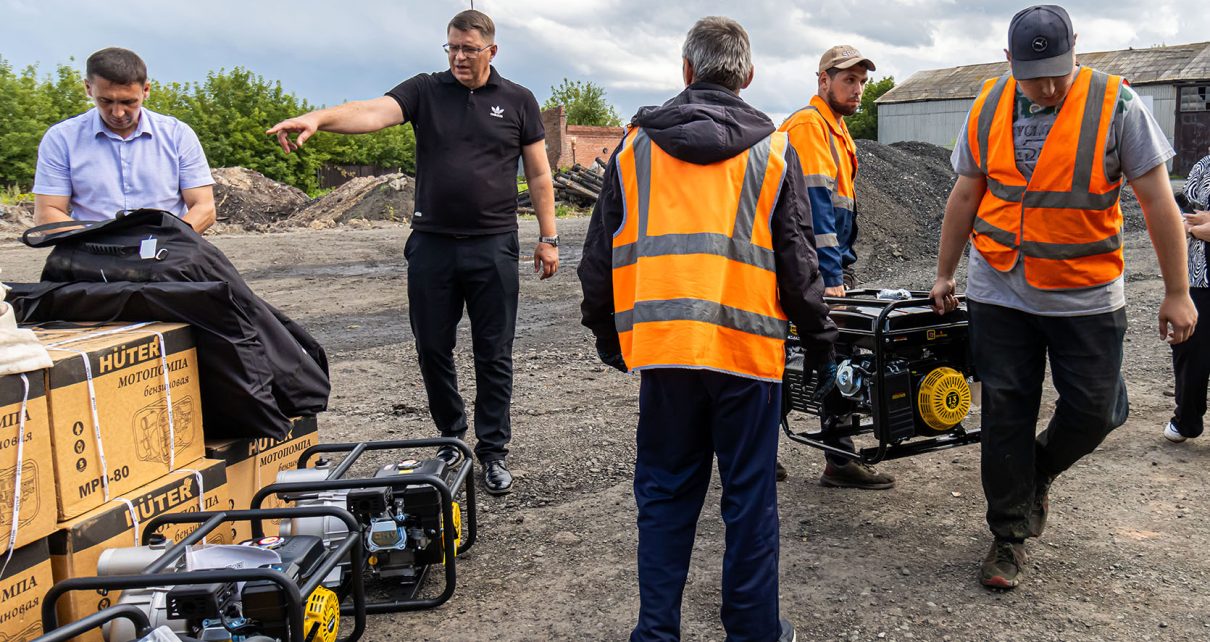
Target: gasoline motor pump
pixel 903 375
pixel 408 517
pixel 267 589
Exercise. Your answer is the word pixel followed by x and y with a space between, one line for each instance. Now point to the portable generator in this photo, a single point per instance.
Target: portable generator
pixel 409 515
pixel 903 375
pixel 282 599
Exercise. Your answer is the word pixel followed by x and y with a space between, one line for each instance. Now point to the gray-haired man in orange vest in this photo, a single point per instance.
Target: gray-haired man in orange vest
pixel 698 254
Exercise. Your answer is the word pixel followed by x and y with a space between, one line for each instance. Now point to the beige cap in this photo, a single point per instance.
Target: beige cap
pixel 843 57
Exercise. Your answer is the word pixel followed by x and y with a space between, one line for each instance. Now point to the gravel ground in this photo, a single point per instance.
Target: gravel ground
pixel 1122 559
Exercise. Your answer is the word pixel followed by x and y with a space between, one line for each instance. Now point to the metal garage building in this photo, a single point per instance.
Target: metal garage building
pixel 931 105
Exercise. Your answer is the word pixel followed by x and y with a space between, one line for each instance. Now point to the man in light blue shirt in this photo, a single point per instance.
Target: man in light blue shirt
pixel 119 156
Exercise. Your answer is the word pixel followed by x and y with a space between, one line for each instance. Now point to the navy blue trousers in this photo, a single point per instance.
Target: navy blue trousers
pixel 686 419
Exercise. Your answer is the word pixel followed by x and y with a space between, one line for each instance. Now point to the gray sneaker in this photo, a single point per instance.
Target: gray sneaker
pixel 788 634
pixel 1002 568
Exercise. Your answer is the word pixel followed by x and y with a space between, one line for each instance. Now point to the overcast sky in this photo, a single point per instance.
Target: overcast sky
pixel 331 51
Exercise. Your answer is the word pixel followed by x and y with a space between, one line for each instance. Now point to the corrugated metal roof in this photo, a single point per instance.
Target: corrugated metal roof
pixel 1179 63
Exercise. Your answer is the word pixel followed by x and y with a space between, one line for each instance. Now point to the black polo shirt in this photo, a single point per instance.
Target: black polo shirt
pixel 468 143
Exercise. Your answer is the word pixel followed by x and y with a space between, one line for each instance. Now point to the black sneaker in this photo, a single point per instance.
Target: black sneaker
pixel 451 455
pixel 496 478
pixel 1002 566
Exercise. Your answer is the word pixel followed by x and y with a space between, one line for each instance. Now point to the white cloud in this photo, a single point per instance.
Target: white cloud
pixel 328 52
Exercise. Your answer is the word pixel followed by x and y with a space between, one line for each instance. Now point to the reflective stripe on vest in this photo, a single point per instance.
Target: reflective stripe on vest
pixel 695 284
pixel 1065 222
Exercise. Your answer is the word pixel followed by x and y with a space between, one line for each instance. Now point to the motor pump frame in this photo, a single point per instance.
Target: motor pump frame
pixel 899 326
pixel 159 574
pixel 337 481
pixel 130 612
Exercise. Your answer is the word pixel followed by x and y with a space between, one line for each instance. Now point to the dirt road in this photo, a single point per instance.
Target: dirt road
pixel 1124 556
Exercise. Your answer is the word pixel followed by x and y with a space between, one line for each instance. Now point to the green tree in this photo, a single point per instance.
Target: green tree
pixel 864 124
pixel 585 104
pixel 28 105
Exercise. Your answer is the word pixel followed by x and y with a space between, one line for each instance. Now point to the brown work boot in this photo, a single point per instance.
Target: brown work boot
pixel 1002 567
pixel 1041 506
pixel 855 474
pixel 781 472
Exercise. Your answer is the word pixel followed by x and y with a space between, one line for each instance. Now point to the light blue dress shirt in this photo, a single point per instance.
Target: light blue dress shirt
pixel 104 173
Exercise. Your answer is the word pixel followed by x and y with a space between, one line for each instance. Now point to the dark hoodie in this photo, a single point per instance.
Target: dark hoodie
pixel 705 124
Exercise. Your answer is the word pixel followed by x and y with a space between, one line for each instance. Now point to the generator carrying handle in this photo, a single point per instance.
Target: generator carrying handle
pixel 130 612
pixel 447 517
pixel 356 448
pixel 254 515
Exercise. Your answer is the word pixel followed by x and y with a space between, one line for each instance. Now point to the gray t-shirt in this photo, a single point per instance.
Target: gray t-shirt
pixel 1135 146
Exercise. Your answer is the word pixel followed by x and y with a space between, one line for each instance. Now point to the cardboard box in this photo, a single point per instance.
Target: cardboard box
pixel 22 589
pixel 253 464
pixel 76 546
pixel 128 387
pixel 37 517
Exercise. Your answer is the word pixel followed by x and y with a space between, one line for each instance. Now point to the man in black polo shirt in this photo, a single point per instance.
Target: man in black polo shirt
pixel 471 126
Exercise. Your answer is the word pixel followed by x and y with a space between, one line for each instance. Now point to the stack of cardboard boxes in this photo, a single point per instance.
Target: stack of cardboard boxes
pixel 112 438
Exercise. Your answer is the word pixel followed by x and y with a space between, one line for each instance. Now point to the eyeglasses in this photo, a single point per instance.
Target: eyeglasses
pixel 469 52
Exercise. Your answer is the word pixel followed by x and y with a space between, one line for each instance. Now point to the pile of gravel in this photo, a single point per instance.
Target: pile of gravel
pixel 251 200
pixel 15 219
pixel 389 197
pixel 901 194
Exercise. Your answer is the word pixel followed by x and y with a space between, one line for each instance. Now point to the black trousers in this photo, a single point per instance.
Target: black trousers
pixel 1010 350
pixel 1191 364
pixel 446 273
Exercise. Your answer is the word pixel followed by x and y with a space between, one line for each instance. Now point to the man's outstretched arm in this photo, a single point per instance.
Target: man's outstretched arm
pixel 357 117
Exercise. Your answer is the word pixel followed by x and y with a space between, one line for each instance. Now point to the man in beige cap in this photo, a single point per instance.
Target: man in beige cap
pixel 829 162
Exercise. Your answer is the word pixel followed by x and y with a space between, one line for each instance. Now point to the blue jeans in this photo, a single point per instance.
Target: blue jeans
pixel 686 418
pixel 1010 349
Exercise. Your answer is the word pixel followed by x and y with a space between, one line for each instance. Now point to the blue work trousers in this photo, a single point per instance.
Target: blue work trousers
pixel 686 419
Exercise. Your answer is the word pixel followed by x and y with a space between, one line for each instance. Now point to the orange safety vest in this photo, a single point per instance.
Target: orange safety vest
pixel 1065 222
pixel 833 167
pixel 694 280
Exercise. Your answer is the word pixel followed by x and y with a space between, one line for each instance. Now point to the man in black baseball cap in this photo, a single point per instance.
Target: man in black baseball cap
pixel 1037 195
pixel 1041 43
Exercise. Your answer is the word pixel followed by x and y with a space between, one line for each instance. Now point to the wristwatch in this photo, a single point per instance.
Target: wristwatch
pixel 552 241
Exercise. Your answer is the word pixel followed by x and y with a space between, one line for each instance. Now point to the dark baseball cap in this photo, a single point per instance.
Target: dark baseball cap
pixel 1041 42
